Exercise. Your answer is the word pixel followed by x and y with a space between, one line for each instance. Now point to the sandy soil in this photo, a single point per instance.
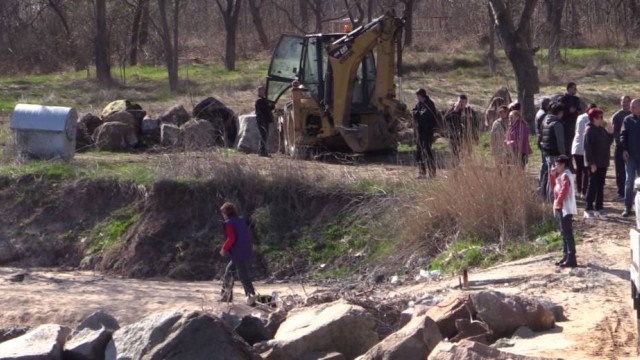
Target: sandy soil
pixel 595 296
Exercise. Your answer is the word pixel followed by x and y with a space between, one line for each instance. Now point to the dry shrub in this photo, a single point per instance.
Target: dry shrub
pixel 476 200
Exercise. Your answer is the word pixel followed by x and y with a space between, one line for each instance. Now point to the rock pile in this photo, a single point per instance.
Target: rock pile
pixel 461 326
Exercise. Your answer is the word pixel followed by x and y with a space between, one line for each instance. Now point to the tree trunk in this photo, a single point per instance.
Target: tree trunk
pixel 554 18
pixel 491 56
pixel 135 34
pixel 103 69
pixel 230 14
pixel 254 8
pixel 144 25
pixel 170 50
pixel 519 52
pixel 304 14
pixel 408 23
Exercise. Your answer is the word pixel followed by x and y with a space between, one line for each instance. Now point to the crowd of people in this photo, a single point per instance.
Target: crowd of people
pixel 574 144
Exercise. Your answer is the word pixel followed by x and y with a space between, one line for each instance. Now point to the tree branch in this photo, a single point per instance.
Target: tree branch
pixel 527 13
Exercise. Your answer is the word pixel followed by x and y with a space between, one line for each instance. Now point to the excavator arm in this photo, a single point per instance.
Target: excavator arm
pixel 346 54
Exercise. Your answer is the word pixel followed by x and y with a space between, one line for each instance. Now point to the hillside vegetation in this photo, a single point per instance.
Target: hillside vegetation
pixel 149 214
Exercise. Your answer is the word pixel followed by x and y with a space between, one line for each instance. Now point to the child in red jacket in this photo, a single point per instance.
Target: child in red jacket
pixel 564 207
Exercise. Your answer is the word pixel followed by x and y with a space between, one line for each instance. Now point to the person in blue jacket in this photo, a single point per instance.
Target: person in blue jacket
pixel 630 143
pixel 238 245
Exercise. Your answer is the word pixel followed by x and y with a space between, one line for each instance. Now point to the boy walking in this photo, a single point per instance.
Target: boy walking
pixel 237 245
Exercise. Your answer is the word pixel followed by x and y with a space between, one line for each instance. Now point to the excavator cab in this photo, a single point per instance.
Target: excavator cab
pixel 344 102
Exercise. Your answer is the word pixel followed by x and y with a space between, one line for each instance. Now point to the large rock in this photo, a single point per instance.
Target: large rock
pixel 126 118
pixel 221 117
pixel 98 320
pixel 252 330
pixel 338 326
pixel 171 135
pixel 115 136
pixel 505 314
pixel 88 344
pixel 123 105
pixel 455 306
pixel 323 355
pixel 473 330
pixel 42 343
pixel 249 135
pixel 87 124
pixel 471 350
pixel 198 134
pixel 175 335
pixel 414 341
pixel 151 131
pixel 177 115
pixel 13 332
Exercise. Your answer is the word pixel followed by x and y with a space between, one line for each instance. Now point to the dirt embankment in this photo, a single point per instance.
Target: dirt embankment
pixel 168 229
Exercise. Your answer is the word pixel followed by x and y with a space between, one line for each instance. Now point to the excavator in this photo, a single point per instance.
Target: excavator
pixel 343 95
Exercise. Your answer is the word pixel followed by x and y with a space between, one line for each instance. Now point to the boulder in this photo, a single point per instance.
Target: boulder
pixel 97 320
pixel 505 314
pixel 42 343
pixel 170 135
pixel 177 115
pixel 115 136
pixel 221 117
pixel 114 107
pixel 323 355
pixel 274 321
pixel 249 135
pixel 252 330
pixel 467 349
pixel 198 134
pixel 150 131
pixel 85 128
pixel 475 330
pixel 194 335
pixel 337 326
pixel 13 332
pixel 455 306
pixel 414 341
pixel 88 344
pixel 125 118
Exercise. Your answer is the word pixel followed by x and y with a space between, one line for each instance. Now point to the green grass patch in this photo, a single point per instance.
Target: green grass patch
pixel 142 173
pixel 109 232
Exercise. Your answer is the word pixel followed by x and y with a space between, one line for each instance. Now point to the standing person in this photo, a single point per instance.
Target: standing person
pixel 577 151
pixel 618 160
pixel 264 117
pixel 552 139
pixel 425 121
pixel 630 143
pixel 544 169
pixel 597 145
pixel 238 245
pixel 463 126
pixel 491 114
pixel 498 135
pixel 572 110
pixel 564 207
pixel 517 139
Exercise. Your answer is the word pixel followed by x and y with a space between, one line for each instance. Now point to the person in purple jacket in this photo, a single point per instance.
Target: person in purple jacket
pixel 238 245
pixel 517 140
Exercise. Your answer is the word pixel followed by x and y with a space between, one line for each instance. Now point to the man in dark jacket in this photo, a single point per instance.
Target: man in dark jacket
pixel 552 139
pixel 630 142
pixel 264 117
pixel 425 121
pixel 597 145
pixel 571 111
pixel 616 120
pixel 540 115
pixel 461 121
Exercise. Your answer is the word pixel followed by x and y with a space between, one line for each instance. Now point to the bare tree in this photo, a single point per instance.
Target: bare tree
pixel 101 43
pixel 554 18
pixel 519 51
pixel 408 21
pixel 141 11
pixel 230 13
pixel 491 55
pixel 170 45
pixel 254 8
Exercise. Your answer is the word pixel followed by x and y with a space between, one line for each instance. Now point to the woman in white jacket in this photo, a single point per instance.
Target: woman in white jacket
pixel 577 150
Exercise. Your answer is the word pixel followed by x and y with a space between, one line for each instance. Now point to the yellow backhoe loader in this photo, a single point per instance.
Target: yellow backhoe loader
pixel 343 95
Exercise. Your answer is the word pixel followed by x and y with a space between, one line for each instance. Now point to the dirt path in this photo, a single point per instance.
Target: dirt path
pixel 595 296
